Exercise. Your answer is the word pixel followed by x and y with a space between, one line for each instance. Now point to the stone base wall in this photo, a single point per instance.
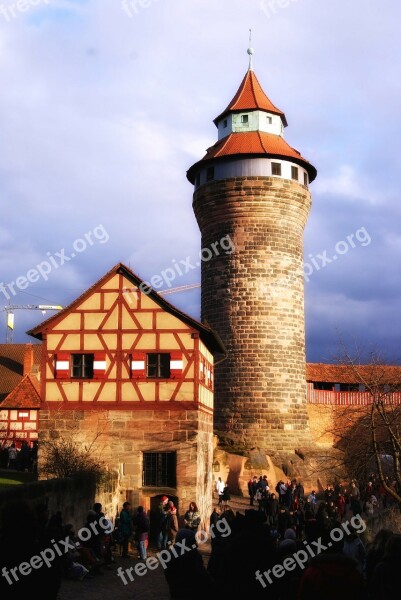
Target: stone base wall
pixel 119 439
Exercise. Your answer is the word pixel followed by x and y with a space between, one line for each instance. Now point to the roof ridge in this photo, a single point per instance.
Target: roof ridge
pixel 224 143
pixel 247 76
pixel 262 142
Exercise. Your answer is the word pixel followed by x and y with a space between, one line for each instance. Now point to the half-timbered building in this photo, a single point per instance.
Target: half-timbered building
pixel 19 393
pixel 124 370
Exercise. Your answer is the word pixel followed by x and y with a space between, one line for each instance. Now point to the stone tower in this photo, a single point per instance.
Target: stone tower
pixel 253 186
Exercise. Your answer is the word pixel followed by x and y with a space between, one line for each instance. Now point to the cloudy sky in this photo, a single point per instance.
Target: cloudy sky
pixel 104 108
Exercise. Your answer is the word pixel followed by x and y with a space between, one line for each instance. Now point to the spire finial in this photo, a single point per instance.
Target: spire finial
pixel 250 51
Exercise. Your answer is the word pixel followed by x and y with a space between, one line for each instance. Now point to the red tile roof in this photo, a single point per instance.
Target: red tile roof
pixel 253 143
pixel 12 365
pixel 250 96
pixel 321 372
pixel 25 395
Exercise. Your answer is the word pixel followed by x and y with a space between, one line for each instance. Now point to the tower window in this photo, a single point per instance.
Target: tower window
pixel 210 174
pixel 82 366
pixel 269 120
pixel 305 179
pixel 244 119
pixel 276 168
pixel 225 123
pixel 294 173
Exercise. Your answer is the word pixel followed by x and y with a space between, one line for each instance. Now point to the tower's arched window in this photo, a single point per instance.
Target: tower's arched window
pixel 244 119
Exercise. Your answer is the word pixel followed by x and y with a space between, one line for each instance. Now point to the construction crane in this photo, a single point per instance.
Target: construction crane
pixel 181 288
pixel 44 307
pixel 10 315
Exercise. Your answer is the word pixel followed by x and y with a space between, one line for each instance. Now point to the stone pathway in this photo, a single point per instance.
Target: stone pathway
pixel 150 585
pixel 109 586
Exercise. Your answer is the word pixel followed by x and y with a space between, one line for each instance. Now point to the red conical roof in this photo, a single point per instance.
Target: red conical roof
pixel 252 143
pixel 250 96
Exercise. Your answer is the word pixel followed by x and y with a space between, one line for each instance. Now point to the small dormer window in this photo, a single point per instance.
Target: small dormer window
pixel 210 174
pixel 225 123
pixel 269 120
pixel 294 173
pixel 245 119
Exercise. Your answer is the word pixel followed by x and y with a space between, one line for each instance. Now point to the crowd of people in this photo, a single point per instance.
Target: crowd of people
pixel 245 561
pixel 247 549
pixel 23 458
pixel 133 527
pixel 168 525
pixel 338 499
pixel 283 520
pixel 28 535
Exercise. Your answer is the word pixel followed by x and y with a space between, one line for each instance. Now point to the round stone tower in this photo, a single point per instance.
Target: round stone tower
pixel 252 201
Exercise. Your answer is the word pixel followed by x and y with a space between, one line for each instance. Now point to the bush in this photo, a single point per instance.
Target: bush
pixel 64 458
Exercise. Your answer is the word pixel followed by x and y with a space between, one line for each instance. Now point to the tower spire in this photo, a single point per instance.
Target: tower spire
pixel 250 51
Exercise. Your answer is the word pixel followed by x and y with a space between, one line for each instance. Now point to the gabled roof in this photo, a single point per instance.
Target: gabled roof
pixel 250 96
pixel 25 395
pixel 321 372
pixel 12 365
pixel 253 143
pixel 207 335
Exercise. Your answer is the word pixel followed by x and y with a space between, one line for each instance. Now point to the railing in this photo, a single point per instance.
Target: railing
pixel 346 398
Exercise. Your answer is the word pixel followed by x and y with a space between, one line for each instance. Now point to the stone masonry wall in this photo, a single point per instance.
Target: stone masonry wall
pixel 254 298
pixel 120 437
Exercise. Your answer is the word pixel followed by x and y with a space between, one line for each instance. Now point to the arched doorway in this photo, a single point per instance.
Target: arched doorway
pixel 155 501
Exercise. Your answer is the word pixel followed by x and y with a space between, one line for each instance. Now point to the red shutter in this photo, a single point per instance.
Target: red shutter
pixel 176 365
pixel 99 365
pixel 202 369
pixel 138 365
pixel 63 365
pixel 209 375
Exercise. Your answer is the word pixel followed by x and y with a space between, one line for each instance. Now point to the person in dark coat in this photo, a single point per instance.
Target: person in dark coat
pixel 141 524
pixel 22 538
pixel 252 486
pixel 125 525
pixel 272 511
pixel 386 579
pixel 332 576
pixel 186 574
pixel 226 495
